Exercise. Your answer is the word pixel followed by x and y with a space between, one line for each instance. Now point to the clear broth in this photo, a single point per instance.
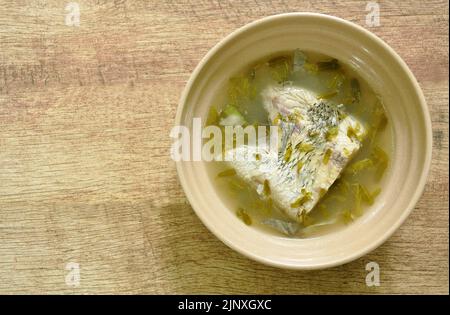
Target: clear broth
pixel 340 205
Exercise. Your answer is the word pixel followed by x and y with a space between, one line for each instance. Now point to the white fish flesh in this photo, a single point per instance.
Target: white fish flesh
pixel 316 141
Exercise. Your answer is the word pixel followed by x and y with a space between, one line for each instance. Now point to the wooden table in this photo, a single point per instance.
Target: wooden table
pixel 85 173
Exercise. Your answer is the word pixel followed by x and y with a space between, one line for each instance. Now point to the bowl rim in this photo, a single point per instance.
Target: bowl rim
pixel 428 137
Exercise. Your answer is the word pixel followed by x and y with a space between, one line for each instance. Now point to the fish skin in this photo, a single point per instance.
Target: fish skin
pixel 298 111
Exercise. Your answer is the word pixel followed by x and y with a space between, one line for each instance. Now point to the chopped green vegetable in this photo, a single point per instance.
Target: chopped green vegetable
pixel 243 215
pixel 280 67
pixel 367 196
pixel 356 90
pixel 379 121
pixel 213 116
pixel 353 132
pixel 326 156
pixel 332 133
pixel 258 157
pixel 337 81
pixel 381 160
pixel 304 147
pixel 357 198
pixel 279 60
pixel 288 153
pixel 266 189
pixel 236 185
pixel 227 173
pixel 358 166
pixel 295 117
pixel 347 216
pixel 277 119
pixel 239 89
pixel 327 95
pixel 342 115
pixel 305 197
pixel 268 205
pixel 299 166
pixel 313 133
pixel 332 64
pixel 312 68
pixel 347 152
pixel 376 192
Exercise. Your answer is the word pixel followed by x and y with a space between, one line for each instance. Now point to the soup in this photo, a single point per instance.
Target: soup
pixel 334 144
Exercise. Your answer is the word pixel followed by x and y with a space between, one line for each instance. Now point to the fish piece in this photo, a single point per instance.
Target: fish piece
pixel 313 149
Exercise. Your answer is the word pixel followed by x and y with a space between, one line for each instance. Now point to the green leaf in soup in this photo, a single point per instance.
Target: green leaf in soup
pixel 343 185
pixel 337 81
pixel 379 121
pixel 360 165
pixel 288 153
pixel 327 155
pixel 304 197
pixel 381 159
pixel 376 192
pixel 331 133
pixel 227 173
pixel 213 116
pixel 355 90
pixel 347 216
pixel 279 60
pixel 244 216
pixel 304 147
pixel 240 88
pixel 327 95
pixel 357 199
pixel 332 64
pixel 268 205
pixel 312 68
pixel 367 196
pixel 266 188
pixel 236 185
pixel 299 166
pixel 354 132
pixel 280 68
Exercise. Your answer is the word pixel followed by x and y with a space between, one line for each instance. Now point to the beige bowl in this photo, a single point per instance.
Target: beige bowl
pixel 388 75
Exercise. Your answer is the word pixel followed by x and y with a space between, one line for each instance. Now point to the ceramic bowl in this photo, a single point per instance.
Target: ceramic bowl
pixel 406 109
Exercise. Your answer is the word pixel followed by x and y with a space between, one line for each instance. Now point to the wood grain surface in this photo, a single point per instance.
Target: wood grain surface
pixel 85 172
